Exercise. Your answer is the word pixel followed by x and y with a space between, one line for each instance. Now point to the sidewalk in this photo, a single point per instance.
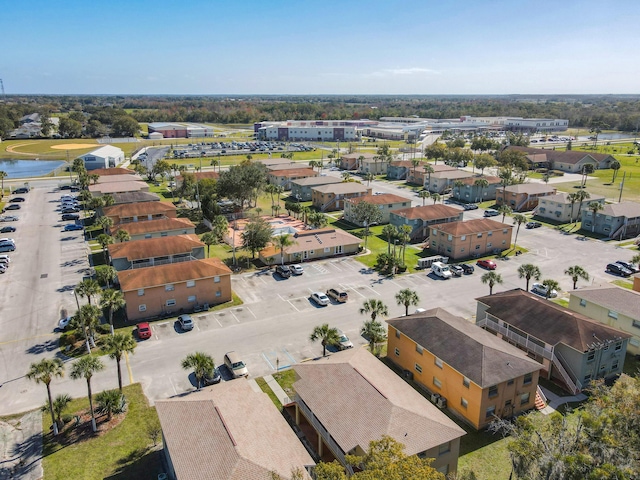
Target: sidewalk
pixel 554 401
pixel 277 390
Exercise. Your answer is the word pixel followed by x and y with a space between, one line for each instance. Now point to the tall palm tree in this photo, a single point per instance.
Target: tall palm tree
pixel 359 162
pixel 407 297
pixel 112 300
pixel 201 363
pixel 283 241
pixel 116 346
pixel 581 196
pixel 415 163
pixel 59 406
pixel 424 194
pixel 551 285
pixel 573 198
pixel 104 240
pixel 435 197
pixel 374 307
pixel 405 237
pixel 326 335
pixel 481 184
pixel 504 210
pixel 123 236
pixel 86 318
pixel 88 288
pixel 615 166
pixel 594 207
pixel 375 332
pixel 428 169
pixel 105 222
pixel 346 176
pixel 85 368
pixel 271 190
pixel 106 274
pixel 518 219
pixel 457 185
pixel 43 372
pixel 492 278
pixel 368 177
pixel 3 175
pixel 576 273
pixel 209 239
pixel 529 271
pixel 305 211
pixel 390 232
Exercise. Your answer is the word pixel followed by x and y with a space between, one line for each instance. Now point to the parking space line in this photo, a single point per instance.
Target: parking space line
pixel 175 392
pixel 377 293
pixel 254 315
pixel 267 360
pixel 293 306
pixel 348 287
pixel 293 361
pixel 234 316
pixel 217 320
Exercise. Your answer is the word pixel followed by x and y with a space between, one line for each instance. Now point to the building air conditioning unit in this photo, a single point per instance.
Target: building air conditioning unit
pixel 441 402
pixel 435 397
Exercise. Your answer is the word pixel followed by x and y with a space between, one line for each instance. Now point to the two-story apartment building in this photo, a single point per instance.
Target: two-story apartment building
pixel 301 188
pixel 470 239
pixel 558 206
pixel 479 375
pixel 162 227
pixel 156 251
pixel 198 176
pixel 373 164
pixel 614 306
pixel 386 203
pixel 439 182
pixel 472 190
pixel 524 196
pixel 284 177
pixel 572 348
pixel 313 245
pixel 134 197
pixel 617 221
pixel 399 169
pixel 175 287
pixel 350 398
pixel 421 175
pixel 112 188
pixel 333 196
pixel 421 218
pixel 139 212
pixel 352 161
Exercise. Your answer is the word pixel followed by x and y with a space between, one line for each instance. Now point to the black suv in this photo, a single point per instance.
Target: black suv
pixel 618 270
pixel 468 269
pixel 283 270
pixel 70 216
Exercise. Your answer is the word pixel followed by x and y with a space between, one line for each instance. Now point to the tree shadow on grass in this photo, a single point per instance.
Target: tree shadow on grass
pixel 140 463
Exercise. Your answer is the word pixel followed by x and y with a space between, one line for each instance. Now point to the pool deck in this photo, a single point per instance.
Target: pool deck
pixel 279 222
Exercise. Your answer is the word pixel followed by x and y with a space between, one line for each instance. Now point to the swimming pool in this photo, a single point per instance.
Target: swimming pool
pixel 283 230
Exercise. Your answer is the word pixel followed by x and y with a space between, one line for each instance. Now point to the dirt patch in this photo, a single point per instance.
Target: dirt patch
pixel 73 146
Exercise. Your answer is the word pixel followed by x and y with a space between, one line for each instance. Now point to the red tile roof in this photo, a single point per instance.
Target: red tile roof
pixel 137 209
pixel 384 199
pixel 149 226
pixel 154 247
pixel 428 212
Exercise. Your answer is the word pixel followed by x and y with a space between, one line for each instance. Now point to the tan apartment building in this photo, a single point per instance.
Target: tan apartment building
pixel 199 176
pixel 301 188
pixel 420 176
pixel 156 251
pixel 313 245
pixel 351 161
pixel 350 398
pixel 284 177
pixel 386 203
pixel 420 218
pixel 162 227
pixel 111 188
pixel 470 239
pixel 139 212
pixel 524 196
pixel 441 182
pixel 614 306
pixel 175 288
pixel 373 165
pixel 332 197
pixel 466 190
pixel 558 206
pixel 475 374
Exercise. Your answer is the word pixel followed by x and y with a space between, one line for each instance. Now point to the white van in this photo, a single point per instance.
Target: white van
pixel 441 270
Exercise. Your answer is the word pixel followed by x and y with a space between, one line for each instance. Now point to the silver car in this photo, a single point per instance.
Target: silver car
pixel 235 365
pixel 186 322
pixel 344 341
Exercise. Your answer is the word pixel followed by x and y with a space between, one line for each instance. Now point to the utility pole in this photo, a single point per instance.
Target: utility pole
pixel 624 175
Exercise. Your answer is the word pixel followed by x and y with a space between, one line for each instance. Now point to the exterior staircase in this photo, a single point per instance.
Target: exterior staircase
pixel 541 400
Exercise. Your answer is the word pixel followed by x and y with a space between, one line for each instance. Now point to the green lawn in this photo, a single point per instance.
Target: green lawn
pixel 623 284
pixel 126 451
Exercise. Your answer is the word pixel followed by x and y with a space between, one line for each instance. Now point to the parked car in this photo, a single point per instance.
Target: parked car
pixel 468 269
pixel 9 218
pixel 70 216
pixel 488 264
pixel 13 206
pixel 297 269
pixel 470 206
pixel 7 229
pixel 320 299
pixel 541 289
pixel 144 330
pixel 457 270
pixel 629 266
pixel 70 209
pixel 344 341
pixel 64 323
pixel 491 213
pixel 186 322
pixel 533 225
pixel 212 377
pixel 3 268
pixel 72 227
pixel 618 269
pixel 7 247
pixel 16 200
pixel 283 270
pixel 5 259
pixel 337 295
pixel 235 365
pixel 21 190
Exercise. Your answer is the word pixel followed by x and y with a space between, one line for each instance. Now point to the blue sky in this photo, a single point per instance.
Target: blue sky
pixel 325 47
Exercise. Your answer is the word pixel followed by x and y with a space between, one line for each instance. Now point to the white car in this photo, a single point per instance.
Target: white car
pixel 320 298
pixel 64 323
pixel 297 269
pixel 541 289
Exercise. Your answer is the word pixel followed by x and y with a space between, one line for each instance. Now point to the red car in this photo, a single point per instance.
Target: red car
pixel 488 264
pixel 144 331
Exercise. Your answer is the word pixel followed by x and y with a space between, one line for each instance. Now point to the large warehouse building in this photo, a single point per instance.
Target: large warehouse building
pixel 311 130
pixel 103 157
pixel 181 130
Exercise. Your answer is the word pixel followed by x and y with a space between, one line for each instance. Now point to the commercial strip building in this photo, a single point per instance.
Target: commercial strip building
pixel 308 130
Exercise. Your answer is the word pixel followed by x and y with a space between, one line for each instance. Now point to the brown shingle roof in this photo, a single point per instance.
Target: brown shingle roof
pixel 149 226
pixel 621 300
pixel 568 156
pixel 294 172
pixel 530 188
pixel 452 174
pixel 472 180
pixel 384 199
pixel 402 163
pixel 356 156
pixel 428 212
pixel 436 168
pixel 548 321
pixel 313 240
pixel 229 432
pixel 112 171
pixel 470 226
pixel 311 181
pixel 342 187
pixel 154 247
pixel 210 174
pixel 475 353
pixel 129 177
pixel 358 399
pixel 171 273
pixel 118 187
pixel 623 209
pixel 134 197
pixel 137 209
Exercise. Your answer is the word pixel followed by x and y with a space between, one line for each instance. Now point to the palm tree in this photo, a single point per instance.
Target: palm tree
pixel 491 278
pixel 209 239
pixel 435 197
pixel 88 288
pixel 318 219
pixel 112 300
pixel 59 406
pixel 359 162
pixel 415 162
pixel 105 222
pixel 346 176
pixel 576 273
pixel 85 368
pixel 405 237
pixel 3 175
pixel 615 166
pixel 424 194
pixel 529 271
pixel 551 285
pixel 390 232
pixel 373 331
pixel 116 345
pixel 326 335
pixel 276 210
pixel 103 239
pixel 481 183
pixel 518 219
pixel 86 318
pixel 105 275
pixel 374 307
pixel 283 241
pixel 635 259
pixel 201 363
pixel 428 169
pixel 573 198
pixel 122 236
pixel 110 402
pixel 43 372
pixel 407 298
pixel 368 177
pixel 457 185
pixel 581 196
pixel 271 190
pixel 305 211
pixel 504 210
pixel 594 207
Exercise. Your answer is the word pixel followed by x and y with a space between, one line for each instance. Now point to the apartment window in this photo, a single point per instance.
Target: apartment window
pixel 493 391
pixel 504 230
pixel 635 323
pixel 510 382
pixel 419 349
pixel 218 293
pixel 191 298
pixel 504 242
pixel 140 292
pixel 591 356
pixel 587 378
pixel 169 288
pixel 479 235
pixel 489 245
pixel 462 250
pixel 142 308
pixel 613 314
pixel 191 283
pixel 163 234
pixel 171 303
pixel 491 411
pixel 397 333
pixel 434 231
pixel 463 402
pixel 327 249
pixel 438 362
pixel 583 302
pixel 605 348
pixel 437 382
pixel 444 448
pixel 618 346
pixel 418 368
pixel 489 234
pixel 216 279
pixel 477 247
pixel 524 398
pixel 528 378
pixel 449 237
pixel 397 352
pixel 148 235
pixel 466 382
pixel 614 366
pixel 463 238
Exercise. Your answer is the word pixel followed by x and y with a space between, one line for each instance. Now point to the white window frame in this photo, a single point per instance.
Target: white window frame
pixel 171 302
pixel 191 283
pixel 142 307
